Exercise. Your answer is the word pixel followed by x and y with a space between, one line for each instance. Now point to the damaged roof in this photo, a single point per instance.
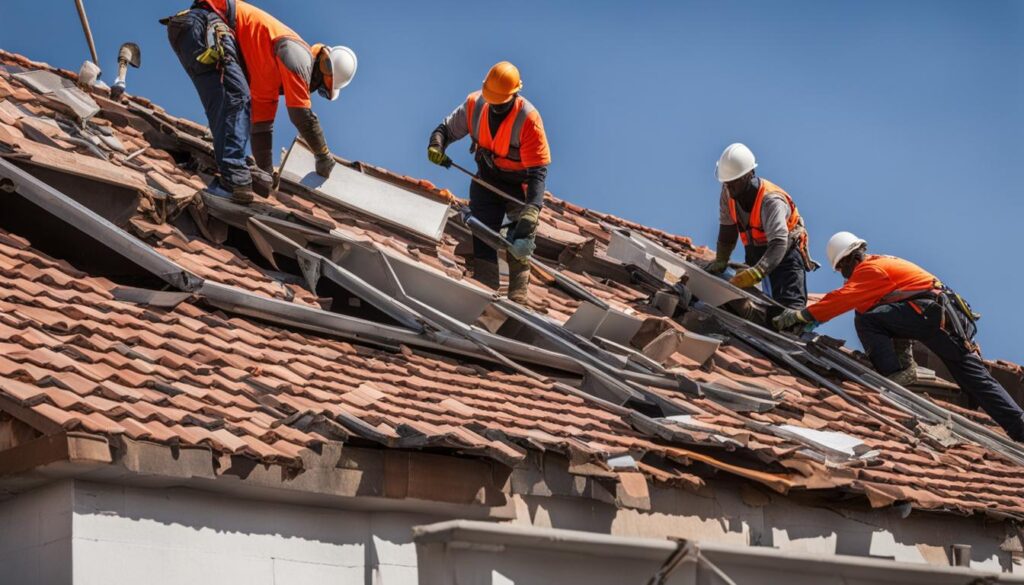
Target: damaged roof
pixel 132 308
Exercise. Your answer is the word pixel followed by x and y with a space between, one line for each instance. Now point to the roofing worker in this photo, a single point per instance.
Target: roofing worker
pixel 898 300
pixel 279 62
pixel 207 50
pixel 511 151
pixel 766 219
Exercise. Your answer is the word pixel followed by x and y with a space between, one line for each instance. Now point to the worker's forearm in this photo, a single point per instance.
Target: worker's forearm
pixel 536 179
pixel 727 235
pixel 772 256
pixel 308 125
pixel 262 140
pixel 439 138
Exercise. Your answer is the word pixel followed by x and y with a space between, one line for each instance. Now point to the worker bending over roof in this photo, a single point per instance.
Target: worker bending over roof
pixel 765 218
pixel 512 154
pixel 279 62
pixel 898 300
pixel 207 50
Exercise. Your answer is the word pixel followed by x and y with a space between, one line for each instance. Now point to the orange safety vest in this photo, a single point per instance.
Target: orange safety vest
pixel 505 145
pixel 257 34
pixel 754 233
pixel 878 280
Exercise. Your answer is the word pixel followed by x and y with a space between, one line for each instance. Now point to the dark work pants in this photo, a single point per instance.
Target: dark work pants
pixel 879 326
pixel 223 90
pixel 490 209
pixel 787 284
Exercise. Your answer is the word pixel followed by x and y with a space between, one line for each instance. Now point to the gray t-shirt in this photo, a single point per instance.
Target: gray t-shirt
pixel 774 215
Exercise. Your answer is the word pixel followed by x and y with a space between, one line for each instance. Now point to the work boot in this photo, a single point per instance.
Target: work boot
pixel 242 194
pixel 518 281
pixel 905 352
pixel 905 377
pixel 486 273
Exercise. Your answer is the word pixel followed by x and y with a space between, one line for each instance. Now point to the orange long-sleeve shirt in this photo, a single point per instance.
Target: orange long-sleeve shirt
pixel 872 279
pixel 258 34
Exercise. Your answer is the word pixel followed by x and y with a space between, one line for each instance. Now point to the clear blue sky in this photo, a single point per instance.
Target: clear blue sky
pixel 899 120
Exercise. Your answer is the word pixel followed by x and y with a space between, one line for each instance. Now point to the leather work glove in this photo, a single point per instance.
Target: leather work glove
pixel 523 235
pixel 717 266
pixel 522 248
pixel 438 157
pixel 325 164
pixel 791 318
pixel 747 278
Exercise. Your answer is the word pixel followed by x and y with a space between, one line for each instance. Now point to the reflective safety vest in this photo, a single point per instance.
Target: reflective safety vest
pixel 504 146
pixel 753 234
pixel 910 280
pixel 258 34
pixel 877 280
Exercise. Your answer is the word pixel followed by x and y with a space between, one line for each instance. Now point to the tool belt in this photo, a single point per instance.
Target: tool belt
pixel 214 53
pixel 809 264
pixel 957 317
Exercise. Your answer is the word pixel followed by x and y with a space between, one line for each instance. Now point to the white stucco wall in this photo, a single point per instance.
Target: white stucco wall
pixel 130 536
pixel 35 536
pixel 81 533
pixel 96 534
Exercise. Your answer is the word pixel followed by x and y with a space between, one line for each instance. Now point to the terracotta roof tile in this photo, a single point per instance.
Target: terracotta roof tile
pixel 196 376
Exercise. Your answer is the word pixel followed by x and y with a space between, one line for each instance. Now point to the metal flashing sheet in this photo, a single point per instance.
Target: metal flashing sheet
pixel 840 442
pixel 361 192
pixel 632 248
pixel 590 321
pixel 46 82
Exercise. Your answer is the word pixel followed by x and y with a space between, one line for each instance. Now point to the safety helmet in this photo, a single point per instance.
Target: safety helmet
pixel 502 82
pixel 338 69
pixel 840 246
pixel 736 161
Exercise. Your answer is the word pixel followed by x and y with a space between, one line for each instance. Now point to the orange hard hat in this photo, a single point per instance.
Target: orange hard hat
pixel 502 83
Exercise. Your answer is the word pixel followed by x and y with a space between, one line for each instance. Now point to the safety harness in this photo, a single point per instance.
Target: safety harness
pixel 218 27
pixel 958 318
pixel 488 154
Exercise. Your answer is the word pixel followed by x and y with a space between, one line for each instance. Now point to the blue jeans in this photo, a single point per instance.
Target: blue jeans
pixel 787 284
pixel 222 88
pixel 879 326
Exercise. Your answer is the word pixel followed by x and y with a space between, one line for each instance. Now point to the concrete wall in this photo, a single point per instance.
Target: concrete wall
pixel 79 533
pixel 35 537
pixel 741 515
pixel 130 536
pixel 466 552
pixel 75 532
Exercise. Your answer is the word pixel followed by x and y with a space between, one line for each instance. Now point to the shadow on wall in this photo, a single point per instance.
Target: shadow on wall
pixel 177 525
pixel 737 513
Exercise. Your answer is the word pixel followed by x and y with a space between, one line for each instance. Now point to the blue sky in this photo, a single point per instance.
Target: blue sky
pixel 899 120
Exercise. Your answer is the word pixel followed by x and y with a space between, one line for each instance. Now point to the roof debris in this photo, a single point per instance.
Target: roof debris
pixel 328 313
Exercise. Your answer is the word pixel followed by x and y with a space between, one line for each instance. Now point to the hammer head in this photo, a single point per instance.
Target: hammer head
pixel 130 54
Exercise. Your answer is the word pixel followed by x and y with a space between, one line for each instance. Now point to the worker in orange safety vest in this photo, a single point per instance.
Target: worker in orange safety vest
pixel 765 218
pixel 897 301
pixel 278 62
pixel 512 154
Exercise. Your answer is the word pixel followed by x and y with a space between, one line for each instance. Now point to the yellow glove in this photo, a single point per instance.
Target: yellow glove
pixel 748 278
pixel 438 157
pixel 214 52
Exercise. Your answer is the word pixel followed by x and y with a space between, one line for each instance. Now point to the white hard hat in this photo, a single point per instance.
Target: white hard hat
pixel 343 69
pixel 840 246
pixel 736 161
